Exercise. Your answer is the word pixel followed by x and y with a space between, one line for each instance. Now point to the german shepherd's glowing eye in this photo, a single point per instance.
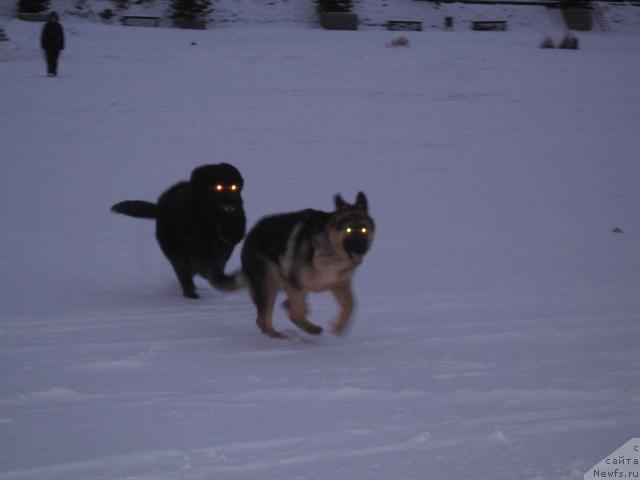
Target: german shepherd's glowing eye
pixel 219 188
pixel 234 188
pixel 362 230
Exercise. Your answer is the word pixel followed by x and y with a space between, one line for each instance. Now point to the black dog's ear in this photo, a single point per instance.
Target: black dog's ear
pixel 362 202
pixel 198 176
pixel 339 202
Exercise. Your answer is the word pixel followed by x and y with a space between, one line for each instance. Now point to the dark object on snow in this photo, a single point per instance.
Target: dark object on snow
pixel 569 42
pixel 52 41
pixel 198 223
pixel 616 230
pixel 399 42
pixel 547 42
pixel 448 23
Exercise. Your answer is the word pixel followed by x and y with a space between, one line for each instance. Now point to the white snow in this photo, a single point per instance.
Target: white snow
pixel 496 333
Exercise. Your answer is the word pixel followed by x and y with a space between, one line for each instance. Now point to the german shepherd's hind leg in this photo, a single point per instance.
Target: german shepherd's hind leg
pixel 297 309
pixel 263 282
pixel 344 296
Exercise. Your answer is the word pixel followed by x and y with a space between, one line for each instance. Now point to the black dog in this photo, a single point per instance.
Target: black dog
pixel 198 223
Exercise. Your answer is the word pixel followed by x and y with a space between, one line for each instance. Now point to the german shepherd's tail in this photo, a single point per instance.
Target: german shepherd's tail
pixel 227 283
pixel 136 208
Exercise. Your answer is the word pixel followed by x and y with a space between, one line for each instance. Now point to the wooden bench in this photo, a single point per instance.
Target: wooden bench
pixel 191 23
pixel 492 25
pixel 339 21
pixel 404 25
pixel 140 21
pixel 33 17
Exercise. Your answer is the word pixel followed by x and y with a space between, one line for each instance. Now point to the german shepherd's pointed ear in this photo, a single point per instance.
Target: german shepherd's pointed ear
pixel 340 203
pixel 362 202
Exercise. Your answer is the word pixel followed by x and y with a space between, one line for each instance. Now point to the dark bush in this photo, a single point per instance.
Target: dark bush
pixel 107 14
pixel 121 4
pixel 190 9
pixel 32 6
pixel 334 5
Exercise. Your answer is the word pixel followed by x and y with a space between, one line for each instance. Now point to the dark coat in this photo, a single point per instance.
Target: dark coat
pixel 52 37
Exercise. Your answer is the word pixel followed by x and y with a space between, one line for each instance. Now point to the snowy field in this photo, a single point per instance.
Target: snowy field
pixel 496 334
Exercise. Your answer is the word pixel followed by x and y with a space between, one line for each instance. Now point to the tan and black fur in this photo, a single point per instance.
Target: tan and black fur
pixel 306 251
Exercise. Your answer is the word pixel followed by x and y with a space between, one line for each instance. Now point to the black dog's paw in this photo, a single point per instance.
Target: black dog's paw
pixel 191 294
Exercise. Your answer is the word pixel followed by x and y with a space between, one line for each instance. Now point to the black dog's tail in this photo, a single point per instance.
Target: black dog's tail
pixel 136 208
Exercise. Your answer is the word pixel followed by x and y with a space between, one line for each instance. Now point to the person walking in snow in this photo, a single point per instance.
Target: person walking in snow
pixel 52 41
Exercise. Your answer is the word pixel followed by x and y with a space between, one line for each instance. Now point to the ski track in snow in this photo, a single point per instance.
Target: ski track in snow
pixel 390 396
pixel 496 333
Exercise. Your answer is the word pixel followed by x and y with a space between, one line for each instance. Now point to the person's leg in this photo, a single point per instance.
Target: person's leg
pixel 55 54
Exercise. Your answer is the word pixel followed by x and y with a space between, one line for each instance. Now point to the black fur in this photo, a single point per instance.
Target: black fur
pixel 197 225
pixel 136 208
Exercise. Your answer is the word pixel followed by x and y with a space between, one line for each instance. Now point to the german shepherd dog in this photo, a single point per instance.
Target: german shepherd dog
pixel 306 251
pixel 198 223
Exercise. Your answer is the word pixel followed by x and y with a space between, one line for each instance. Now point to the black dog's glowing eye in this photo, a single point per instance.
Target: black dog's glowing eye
pixel 363 230
pixel 219 187
pixel 348 230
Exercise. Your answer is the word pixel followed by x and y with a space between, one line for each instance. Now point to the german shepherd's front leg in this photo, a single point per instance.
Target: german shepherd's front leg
pixel 297 309
pixel 343 294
